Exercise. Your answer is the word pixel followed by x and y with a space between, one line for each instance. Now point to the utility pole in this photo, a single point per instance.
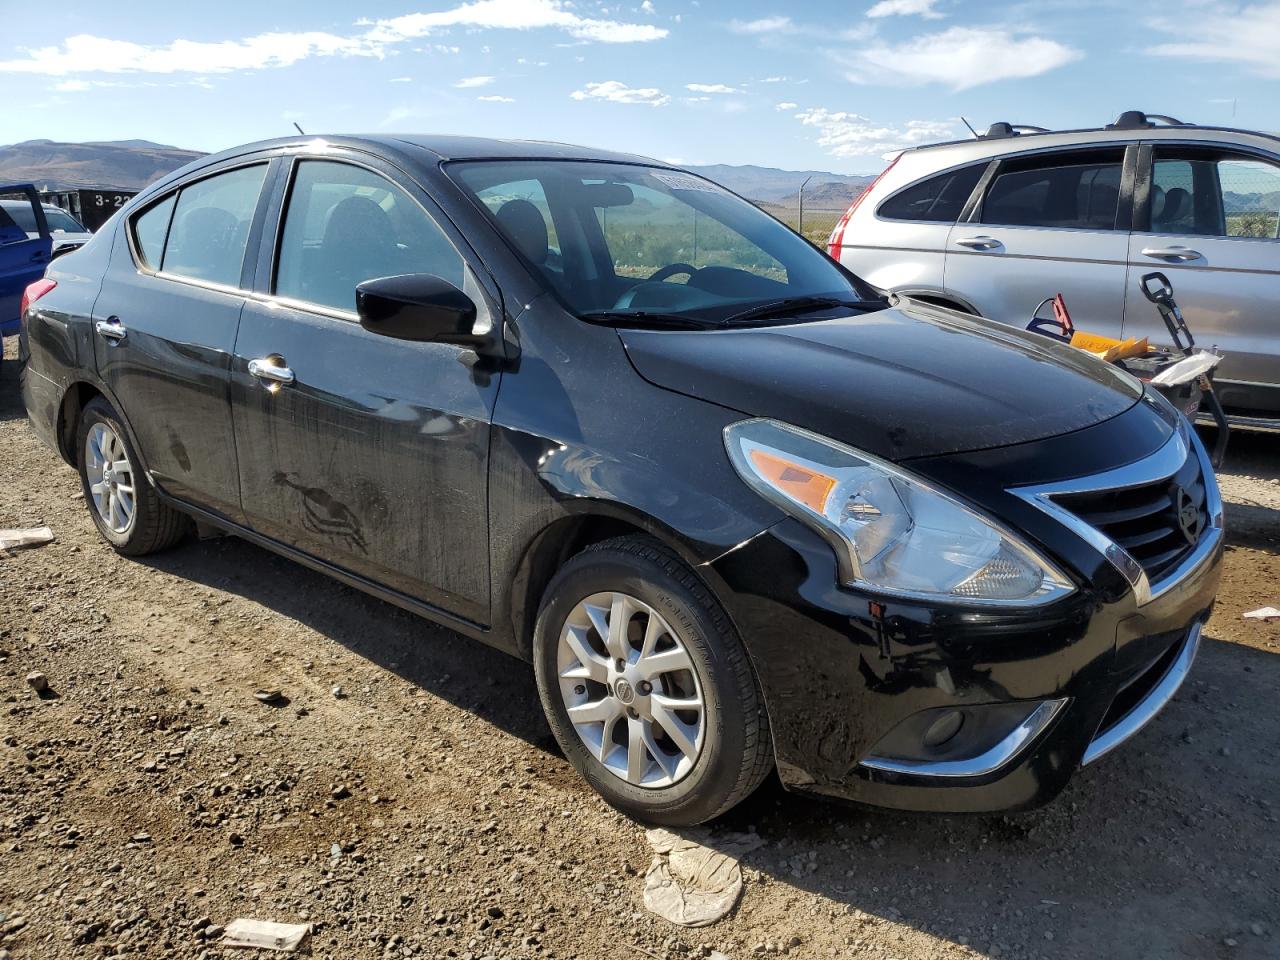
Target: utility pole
pixel 800 206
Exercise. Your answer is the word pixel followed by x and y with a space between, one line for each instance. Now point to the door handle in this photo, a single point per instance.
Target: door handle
pixel 39 257
pixel 111 328
pixel 271 369
pixel 1171 253
pixel 979 243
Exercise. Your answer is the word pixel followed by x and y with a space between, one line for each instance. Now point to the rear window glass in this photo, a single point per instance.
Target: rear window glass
pixel 150 230
pixel 210 228
pixel 939 199
pixel 1061 192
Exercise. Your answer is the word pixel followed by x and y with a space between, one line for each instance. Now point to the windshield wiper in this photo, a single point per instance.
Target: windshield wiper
pixel 780 308
pixel 643 318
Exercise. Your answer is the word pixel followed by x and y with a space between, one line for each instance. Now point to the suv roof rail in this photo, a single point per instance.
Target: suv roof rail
pixel 1137 120
pixel 1000 130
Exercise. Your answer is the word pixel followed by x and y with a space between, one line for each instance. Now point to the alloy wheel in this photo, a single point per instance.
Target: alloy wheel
pixel 630 690
pixel 111 480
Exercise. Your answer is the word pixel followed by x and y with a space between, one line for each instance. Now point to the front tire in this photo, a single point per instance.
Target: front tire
pixel 647 687
pixel 124 506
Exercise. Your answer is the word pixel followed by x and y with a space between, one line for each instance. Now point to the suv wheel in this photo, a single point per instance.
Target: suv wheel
pixel 123 504
pixel 646 685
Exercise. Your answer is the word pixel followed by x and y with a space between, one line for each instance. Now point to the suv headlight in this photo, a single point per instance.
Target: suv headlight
pixel 892 532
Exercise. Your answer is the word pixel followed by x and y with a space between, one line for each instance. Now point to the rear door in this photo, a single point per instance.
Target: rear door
pixel 367 452
pixel 1047 223
pixel 1208 217
pixel 25 248
pixel 165 328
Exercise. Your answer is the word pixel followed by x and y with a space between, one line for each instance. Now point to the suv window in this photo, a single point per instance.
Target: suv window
pixel 344 225
pixel 1203 194
pixel 939 199
pixel 150 230
pixel 210 228
pixel 1064 191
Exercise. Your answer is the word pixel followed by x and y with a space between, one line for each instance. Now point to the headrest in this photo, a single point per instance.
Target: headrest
pixel 523 224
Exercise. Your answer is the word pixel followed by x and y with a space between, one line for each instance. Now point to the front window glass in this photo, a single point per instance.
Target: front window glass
pixel 62 222
pixel 619 238
pixel 345 225
pixel 1203 193
pixel 210 228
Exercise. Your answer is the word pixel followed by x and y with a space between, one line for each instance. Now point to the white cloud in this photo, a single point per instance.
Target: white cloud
pixel 617 92
pixel 85 53
pixel 1248 35
pixel 466 82
pixel 848 135
pixel 696 99
pixel 773 80
pixel 496 99
pixel 961 57
pixel 905 8
pixel 710 88
pixel 401 80
pixel 786 105
pixel 648 7
pixel 763 25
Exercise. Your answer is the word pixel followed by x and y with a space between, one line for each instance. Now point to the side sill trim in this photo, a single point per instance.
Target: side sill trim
pixel 394 597
pixel 984 764
pixel 1145 710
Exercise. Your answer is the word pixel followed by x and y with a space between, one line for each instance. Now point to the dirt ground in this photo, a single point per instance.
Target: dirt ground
pixel 425 812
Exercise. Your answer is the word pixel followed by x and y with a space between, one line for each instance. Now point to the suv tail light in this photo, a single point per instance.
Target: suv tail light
pixel 836 242
pixel 34 292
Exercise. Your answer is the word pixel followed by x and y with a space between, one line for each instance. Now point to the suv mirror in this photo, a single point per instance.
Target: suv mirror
pixel 417 306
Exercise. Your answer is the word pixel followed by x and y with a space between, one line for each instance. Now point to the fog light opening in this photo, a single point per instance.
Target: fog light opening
pixel 944 728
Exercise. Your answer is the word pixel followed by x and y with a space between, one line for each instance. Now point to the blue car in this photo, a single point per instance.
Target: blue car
pixel 23 257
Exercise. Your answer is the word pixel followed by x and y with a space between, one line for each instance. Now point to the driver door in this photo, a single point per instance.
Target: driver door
pixel 24 252
pixel 363 451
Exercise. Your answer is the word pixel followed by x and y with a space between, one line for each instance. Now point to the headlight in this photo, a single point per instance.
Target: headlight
pixel 891 531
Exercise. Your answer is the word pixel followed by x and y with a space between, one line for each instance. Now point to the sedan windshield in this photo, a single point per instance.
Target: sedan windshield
pixel 621 241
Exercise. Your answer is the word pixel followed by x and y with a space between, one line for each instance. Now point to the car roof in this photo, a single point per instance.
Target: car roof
pixel 993 145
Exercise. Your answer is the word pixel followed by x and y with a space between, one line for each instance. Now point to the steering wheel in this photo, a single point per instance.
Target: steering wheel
pixel 671 270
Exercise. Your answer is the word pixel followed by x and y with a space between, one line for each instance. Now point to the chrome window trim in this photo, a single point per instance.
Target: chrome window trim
pixel 1161 465
pixel 1145 710
pixel 1015 742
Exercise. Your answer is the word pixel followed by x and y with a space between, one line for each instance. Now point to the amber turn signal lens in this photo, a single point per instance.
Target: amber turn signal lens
pixel 800 483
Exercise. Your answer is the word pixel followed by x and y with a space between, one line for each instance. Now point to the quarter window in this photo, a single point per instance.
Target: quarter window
pixel 939 199
pixel 1079 192
pixel 344 225
pixel 210 229
pixel 1203 194
pixel 150 230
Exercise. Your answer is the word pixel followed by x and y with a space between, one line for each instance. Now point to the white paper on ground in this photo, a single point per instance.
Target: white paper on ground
pixel 1263 613
pixel 25 537
pixel 265 935
pixel 691 883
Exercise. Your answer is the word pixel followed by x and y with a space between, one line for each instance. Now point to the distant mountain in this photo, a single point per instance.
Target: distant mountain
pixel 771 185
pixel 119 165
pixel 132 164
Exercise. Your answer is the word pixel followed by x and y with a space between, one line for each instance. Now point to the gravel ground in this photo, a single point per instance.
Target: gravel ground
pixel 422 810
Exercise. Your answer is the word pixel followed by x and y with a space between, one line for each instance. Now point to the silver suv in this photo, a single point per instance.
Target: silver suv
pixel 996 224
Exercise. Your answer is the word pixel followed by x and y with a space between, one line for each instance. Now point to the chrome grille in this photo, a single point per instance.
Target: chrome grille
pixel 1158 523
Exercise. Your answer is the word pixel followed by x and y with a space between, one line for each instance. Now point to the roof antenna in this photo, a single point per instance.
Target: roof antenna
pixel 299 129
pixel 966 123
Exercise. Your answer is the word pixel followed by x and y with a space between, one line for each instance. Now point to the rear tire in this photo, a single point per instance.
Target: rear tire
pixel 636 735
pixel 124 506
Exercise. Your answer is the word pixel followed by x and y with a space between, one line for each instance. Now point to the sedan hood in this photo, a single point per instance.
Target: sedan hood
pixel 912 380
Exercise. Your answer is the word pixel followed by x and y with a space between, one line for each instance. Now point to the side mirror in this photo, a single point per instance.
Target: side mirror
pixel 417 306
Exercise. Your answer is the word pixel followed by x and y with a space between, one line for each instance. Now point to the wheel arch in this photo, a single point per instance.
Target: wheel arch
pixel 566 536
pixel 78 395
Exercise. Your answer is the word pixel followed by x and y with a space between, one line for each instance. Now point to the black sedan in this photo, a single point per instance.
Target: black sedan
pixel 740 512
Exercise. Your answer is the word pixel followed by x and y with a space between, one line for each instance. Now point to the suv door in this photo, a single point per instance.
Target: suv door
pixel 367 452
pixel 1208 217
pixel 1047 223
pixel 165 328
pixel 24 254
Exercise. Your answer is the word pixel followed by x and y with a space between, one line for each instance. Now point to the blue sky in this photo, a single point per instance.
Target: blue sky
pixel 825 85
